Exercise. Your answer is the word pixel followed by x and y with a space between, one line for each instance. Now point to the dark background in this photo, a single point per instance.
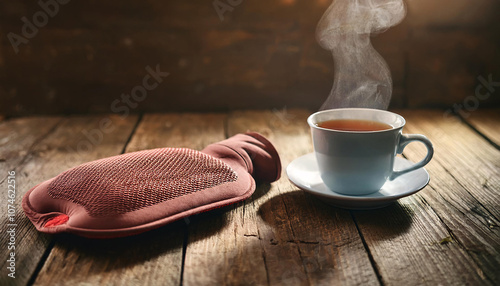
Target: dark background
pixel 262 55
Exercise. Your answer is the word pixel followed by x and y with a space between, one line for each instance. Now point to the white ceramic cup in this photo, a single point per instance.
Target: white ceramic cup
pixel 360 162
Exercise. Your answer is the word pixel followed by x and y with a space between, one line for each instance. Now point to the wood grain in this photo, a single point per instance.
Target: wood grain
pixel 409 236
pixel 460 195
pixel 260 55
pixel 448 233
pixel 280 236
pixel 53 153
pixel 404 241
pixel 437 75
pixel 19 136
pixel 486 122
pixel 187 130
pixel 152 258
pixel 470 159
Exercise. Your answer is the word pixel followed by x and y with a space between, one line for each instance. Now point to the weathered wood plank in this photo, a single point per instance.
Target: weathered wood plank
pixel 280 236
pixel 18 136
pixel 212 245
pixel 152 258
pixel 470 159
pixel 459 194
pixel 263 51
pixel 487 122
pixel 52 154
pixel 404 241
pixel 291 222
pixel 437 74
pixel 188 130
pixel 17 139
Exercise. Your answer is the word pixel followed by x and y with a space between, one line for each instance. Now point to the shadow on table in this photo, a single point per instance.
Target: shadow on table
pixel 118 253
pixel 387 222
pixel 298 215
pixel 115 253
pixel 309 216
pixel 206 224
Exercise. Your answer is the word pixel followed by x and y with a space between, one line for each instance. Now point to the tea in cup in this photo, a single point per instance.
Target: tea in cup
pixel 355 148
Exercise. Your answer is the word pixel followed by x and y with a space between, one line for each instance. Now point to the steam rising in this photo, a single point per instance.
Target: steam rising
pixel 362 77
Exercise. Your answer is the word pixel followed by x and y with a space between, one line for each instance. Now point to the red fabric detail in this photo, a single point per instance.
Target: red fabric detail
pixel 58 220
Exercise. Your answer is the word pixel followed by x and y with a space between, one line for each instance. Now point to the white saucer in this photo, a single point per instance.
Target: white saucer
pixel 303 172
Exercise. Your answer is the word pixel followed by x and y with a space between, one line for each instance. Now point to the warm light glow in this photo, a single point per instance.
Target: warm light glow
pixel 288 2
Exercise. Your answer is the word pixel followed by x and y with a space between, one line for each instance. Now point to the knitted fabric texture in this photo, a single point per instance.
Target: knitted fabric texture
pixel 122 184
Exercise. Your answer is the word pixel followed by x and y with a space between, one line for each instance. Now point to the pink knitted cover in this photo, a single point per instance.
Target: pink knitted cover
pixel 135 192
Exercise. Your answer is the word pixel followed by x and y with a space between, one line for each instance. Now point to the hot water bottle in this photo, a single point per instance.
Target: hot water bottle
pixel 135 192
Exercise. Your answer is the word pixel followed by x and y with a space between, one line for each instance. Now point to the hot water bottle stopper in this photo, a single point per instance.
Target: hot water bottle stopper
pixel 139 191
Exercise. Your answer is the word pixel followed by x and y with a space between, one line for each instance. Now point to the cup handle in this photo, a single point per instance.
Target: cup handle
pixel 407 139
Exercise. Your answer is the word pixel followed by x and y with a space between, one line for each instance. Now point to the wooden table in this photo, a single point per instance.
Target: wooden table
pixel 446 234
